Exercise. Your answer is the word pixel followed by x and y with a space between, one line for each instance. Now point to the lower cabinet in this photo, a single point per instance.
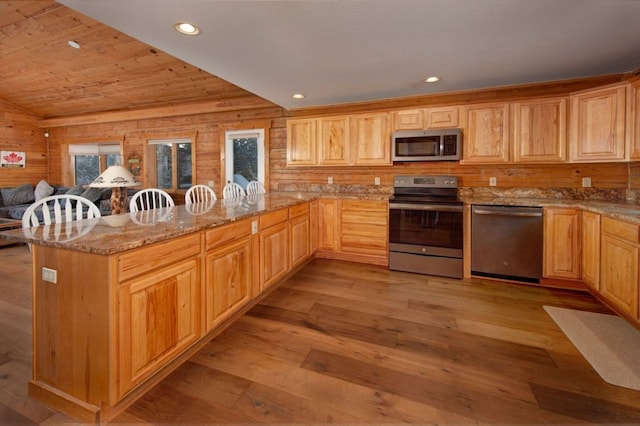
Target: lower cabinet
pixel 158 317
pixel 275 260
pixel 562 243
pixel 299 234
pixel 619 265
pixel 591 249
pixel 354 230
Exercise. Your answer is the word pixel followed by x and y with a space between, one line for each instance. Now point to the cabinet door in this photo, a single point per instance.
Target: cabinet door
pixel 299 233
pixel 591 249
pixel 302 146
pixel 333 139
pixel 364 227
pixel 619 264
pixel 408 120
pixel 562 241
pixel 442 117
pixel 634 125
pixel 540 131
pixel 228 280
pixel 597 125
pixel 274 254
pixel 486 133
pixel 158 317
pixel 371 139
pixel 314 225
pixel 328 225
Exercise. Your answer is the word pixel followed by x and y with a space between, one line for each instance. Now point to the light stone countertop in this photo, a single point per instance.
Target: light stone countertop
pixel 116 233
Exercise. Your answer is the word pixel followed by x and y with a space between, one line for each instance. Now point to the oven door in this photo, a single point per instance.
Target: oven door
pixel 428 229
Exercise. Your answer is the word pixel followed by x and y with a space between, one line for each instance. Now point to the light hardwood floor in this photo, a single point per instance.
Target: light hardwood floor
pixel 350 343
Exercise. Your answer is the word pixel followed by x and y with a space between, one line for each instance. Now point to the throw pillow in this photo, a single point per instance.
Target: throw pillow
pixel 92 194
pixel 76 190
pixel 43 189
pixel 22 194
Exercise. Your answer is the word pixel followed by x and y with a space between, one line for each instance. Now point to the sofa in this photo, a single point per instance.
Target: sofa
pixel 15 201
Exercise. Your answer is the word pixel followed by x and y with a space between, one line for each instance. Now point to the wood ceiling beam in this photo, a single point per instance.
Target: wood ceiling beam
pixel 234 104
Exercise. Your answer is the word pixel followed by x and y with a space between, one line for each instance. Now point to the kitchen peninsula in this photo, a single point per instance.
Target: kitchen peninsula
pixel 121 301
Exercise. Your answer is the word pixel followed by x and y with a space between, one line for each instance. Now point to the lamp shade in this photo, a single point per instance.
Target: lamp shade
pixel 115 176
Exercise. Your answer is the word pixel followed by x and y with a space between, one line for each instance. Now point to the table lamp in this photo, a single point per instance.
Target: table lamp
pixel 119 178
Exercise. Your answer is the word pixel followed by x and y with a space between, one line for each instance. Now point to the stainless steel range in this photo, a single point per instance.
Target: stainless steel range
pixel 425 226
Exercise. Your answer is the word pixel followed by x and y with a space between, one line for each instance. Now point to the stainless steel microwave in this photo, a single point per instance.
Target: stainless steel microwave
pixel 427 145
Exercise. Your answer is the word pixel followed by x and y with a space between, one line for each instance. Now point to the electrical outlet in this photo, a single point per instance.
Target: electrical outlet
pixel 50 275
pixel 586 182
pixel 254 227
pixel 330 179
pixel 376 180
pixel 493 181
pixel 210 184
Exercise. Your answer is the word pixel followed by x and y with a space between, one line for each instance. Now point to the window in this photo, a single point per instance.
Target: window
pixel 245 156
pixel 173 163
pixel 89 160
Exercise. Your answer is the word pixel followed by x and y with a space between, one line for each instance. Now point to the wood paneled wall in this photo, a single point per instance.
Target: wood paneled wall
pixel 19 131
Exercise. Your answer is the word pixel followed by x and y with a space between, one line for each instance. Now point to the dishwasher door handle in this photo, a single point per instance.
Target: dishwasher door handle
pixel 506 213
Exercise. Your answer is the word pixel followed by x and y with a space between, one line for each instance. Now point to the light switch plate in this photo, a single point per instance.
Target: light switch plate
pixel 493 181
pixel 330 179
pixel 586 182
pixel 376 180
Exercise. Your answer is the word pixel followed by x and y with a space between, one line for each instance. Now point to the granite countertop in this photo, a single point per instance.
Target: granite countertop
pixel 116 233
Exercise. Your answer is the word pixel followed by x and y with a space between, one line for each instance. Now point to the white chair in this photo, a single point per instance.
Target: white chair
pixel 233 190
pixel 150 198
pixel 255 187
pixel 56 212
pixel 199 194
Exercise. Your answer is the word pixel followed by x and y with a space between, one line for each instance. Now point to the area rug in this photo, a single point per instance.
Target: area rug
pixel 609 343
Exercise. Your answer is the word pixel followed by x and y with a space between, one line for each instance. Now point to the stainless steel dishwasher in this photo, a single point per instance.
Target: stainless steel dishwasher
pixel 506 242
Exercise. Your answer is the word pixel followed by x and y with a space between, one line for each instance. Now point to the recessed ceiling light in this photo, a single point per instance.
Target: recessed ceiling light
pixel 187 28
pixel 297 96
pixel 74 44
pixel 431 79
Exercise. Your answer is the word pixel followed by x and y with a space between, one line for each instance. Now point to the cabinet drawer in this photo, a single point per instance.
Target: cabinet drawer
pixel 224 234
pixel 624 230
pixel 273 218
pixel 299 210
pixel 364 205
pixel 147 259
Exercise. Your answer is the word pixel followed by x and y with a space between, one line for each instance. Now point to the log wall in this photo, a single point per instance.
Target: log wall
pixel 19 131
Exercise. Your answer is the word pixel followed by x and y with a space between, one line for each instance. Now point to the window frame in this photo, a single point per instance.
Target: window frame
pixel 150 162
pixel 247 127
pixel 100 149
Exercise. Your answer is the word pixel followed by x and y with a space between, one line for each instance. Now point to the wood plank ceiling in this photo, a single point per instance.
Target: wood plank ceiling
pixel 111 71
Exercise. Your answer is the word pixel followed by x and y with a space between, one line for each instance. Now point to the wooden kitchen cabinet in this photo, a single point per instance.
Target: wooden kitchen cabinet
pixel 486 133
pixel 540 130
pixel 328 230
pixel 333 141
pixel 314 225
pixel 371 139
pixel 364 229
pixel 227 267
pixel 634 124
pixel 562 243
pixel 597 129
pixel 275 261
pixel 427 118
pixel 591 249
pixel 619 265
pixel 149 337
pixel 299 234
pixel 302 144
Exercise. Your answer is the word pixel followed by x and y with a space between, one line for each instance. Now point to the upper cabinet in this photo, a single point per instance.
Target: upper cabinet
pixel 539 130
pixel 634 152
pixel 371 139
pixel 427 118
pixel 598 120
pixel 361 140
pixel 485 133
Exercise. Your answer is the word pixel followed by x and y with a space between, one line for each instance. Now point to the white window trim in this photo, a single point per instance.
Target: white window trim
pixel 229 136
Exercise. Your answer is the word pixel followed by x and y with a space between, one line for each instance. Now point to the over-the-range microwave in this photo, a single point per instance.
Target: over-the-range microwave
pixel 427 145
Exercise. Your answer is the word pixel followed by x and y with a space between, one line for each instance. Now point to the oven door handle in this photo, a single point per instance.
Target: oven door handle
pixel 427 207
